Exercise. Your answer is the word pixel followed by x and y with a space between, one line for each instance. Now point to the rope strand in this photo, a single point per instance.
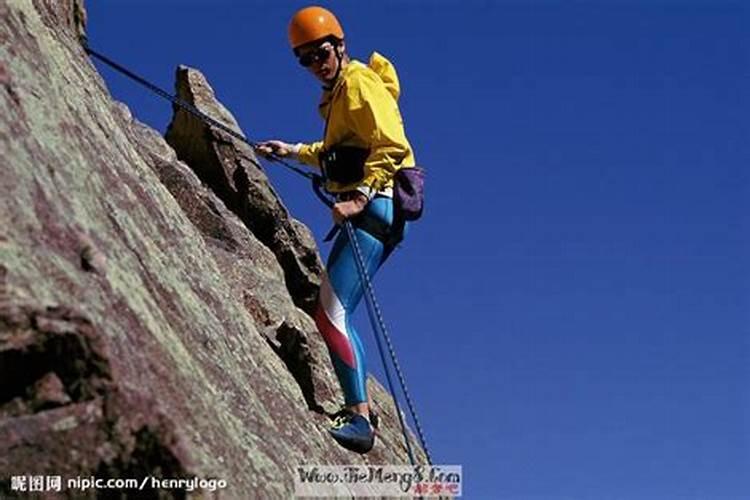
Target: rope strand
pixel 376 317
pixel 192 110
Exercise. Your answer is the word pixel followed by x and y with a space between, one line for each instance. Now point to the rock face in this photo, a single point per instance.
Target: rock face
pixel 152 303
pixel 230 168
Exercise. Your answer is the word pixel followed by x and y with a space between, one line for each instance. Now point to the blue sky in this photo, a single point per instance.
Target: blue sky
pixel 572 312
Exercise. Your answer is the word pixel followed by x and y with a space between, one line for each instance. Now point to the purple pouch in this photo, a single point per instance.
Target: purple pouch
pixel 408 192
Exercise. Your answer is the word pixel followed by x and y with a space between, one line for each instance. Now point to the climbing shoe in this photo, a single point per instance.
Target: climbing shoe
pixel 353 432
pixel 344 414
pixel 341 418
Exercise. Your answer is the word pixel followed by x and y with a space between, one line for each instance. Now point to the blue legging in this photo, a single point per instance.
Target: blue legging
pixel 340 293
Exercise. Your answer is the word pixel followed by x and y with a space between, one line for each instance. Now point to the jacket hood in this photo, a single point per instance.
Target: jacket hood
pixel 387 72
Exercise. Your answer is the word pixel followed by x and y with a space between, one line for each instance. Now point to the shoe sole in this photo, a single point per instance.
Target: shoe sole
pixel 361 448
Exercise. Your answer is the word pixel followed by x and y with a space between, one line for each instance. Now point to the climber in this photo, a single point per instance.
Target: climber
pixel 363 146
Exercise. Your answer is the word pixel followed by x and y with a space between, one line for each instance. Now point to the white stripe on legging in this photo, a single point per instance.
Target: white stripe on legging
pixel 332 306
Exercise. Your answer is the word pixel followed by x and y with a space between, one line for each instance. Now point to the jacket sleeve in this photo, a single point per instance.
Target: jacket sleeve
pixel 374 117
pixel 308 153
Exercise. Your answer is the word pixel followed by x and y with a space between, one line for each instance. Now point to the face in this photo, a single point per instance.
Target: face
pixel 320 60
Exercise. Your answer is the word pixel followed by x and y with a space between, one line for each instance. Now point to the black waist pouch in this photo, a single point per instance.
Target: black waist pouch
pixel 344 164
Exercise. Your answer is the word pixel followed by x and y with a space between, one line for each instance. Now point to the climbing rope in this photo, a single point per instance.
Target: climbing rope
pixel 376 317
pixel 378 323
pixel 193 110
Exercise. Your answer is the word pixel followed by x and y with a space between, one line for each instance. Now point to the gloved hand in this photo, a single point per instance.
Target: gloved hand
pixel 279 148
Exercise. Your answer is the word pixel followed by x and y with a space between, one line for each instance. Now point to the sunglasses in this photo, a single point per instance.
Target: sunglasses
pixel 318 55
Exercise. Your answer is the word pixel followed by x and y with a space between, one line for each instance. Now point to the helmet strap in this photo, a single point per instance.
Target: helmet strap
pixel 339 59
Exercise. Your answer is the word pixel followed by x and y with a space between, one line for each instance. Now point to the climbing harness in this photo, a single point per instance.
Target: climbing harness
pixel 373 309
pixel 344 164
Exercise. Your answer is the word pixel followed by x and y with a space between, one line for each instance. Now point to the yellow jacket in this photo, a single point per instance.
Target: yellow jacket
pixel 362 111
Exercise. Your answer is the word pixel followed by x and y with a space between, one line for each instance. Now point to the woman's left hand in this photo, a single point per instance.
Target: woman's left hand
pixel 346 209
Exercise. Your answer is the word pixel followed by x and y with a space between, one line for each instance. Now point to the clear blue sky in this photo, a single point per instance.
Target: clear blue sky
pixel 573 312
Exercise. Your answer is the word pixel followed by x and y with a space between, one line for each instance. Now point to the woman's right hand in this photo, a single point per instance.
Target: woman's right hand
pixel 278 148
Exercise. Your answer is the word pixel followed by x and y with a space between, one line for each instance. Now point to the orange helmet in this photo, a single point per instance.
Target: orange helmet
pixel 311 24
